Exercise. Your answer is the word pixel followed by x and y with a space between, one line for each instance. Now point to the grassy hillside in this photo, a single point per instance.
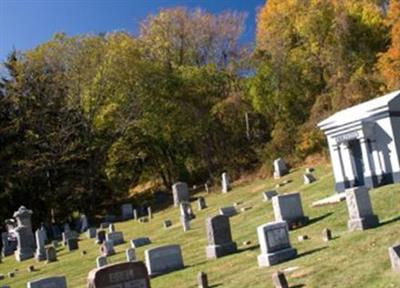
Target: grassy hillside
pixel 357 259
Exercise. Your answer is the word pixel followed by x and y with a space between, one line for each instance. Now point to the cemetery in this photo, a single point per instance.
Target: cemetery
pixel 182 255
pixel 184 144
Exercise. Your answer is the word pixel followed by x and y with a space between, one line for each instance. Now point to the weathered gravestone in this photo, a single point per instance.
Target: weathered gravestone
pixel 167 224
pixel 180 193
pixel 107 248
pixel 135 214
pixel 116 237
pixel 91 232
pixel 394 255
pixel 72 244
pixel 201 203
pixel 280 168
pixel 279 280
pixel 309 178
pixel 24 249
pixel 274 243
pixel 69 235
pixel 288 207
pixel 225 183
pixel 269 194
pixel 7 248
pixel 101 261
pixel 51 254
pixel 186 210
pixel 121 275
pixel 202 280
pixel 228 211
pixel 40 253
pixel 219 237
pixel 149 213
pixel 326 235
pixel 130 254
pixel 163 259
pixel 44 232
pixel 185 221
pixel 25 238
pixel 84 223
pixel 111 228
pixel 127 211
pixel 139 242
pixel 100 236
pixel 49 282
pixel 359 206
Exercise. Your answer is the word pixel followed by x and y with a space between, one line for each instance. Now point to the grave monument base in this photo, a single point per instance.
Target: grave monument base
pixel 361 224
pixel 217 251
pixel 297 223
pixel 269 259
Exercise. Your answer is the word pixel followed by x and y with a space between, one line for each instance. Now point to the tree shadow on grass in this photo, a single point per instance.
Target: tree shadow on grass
pixel 319 218
pixel 389 221
pixel 298 286
pixel 312 251
pixel 250 248
pixel 215 285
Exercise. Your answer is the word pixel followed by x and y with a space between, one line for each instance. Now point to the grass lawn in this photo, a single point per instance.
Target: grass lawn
pixel 358 259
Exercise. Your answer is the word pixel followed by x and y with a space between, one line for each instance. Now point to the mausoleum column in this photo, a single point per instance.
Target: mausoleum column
pixel 368 173
pixel 376 160
pixel 348 162
pixel 338 167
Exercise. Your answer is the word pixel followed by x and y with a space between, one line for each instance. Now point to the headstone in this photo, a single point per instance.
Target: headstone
pixel 206 188
pixel 201 203
pixel 104 225
pixel 186 210
pixel 111 228
pixel 84 223
pixel 394 255
pixel 326 235
pixel 44 232
pixel 127 211
pixel 149 213
pixel 139 242
pixel 163 259
pixel 167 224
pixel 69 235
pixel 51 254
pixel 40 254
pixel 107 248
pixel 269 194
pixel 91 232
pixel 101 261
pixel 135 214
pixel 24 249
pixel 72 244
pixel 228 211
pixel 7 249
pixel 280 168
pixel 288 207
pixel 202 280
pixel 361 215
pixel 302 238
pixel 310 170
pixel 274 244
pixel 49 282
pixel 130 254
pixel 225 183
pixel 279 280
pixel 100 236
pixel 180 192
pixel 121 275
pixel 116 237
pixel 185 221
pixel 219 237
pixel 309 178
pixel 26 240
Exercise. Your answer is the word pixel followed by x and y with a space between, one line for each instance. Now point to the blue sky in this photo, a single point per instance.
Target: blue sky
pixel 26 23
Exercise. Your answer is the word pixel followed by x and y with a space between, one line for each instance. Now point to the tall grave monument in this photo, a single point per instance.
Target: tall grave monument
pixel 219 237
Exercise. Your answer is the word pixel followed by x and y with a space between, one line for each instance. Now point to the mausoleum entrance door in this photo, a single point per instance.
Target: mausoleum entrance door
pixel 358 167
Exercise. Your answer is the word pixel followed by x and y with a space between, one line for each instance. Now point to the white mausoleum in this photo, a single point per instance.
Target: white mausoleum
pixel 364 143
